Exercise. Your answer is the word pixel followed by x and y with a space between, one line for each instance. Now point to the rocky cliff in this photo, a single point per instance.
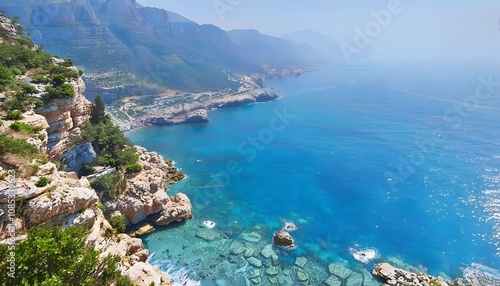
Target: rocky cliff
pixel 66 201
pixel 146 193
pixel 65 117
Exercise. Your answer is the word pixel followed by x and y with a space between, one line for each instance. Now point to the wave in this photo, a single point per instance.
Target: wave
pixel 180 275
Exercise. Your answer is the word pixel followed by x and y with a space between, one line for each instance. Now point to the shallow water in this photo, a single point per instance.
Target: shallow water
pixel 364 157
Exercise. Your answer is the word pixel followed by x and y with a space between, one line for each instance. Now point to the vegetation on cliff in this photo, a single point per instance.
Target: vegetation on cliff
pixel 53 256
pixel 49 255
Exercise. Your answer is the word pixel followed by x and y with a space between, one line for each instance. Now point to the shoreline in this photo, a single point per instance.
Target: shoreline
pixel 177 107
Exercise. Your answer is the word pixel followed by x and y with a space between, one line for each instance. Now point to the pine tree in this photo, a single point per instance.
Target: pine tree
pixel 97 114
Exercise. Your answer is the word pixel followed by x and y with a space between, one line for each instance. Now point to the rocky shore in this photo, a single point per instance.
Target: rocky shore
pixel 177 107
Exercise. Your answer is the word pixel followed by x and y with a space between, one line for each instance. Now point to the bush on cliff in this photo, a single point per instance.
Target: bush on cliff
pixel 110 185
pixel 53 256
pixel 133 168
pixel 118 223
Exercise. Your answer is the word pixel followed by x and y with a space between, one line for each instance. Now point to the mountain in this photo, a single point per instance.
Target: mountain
pixel 264 49
pixel 120 42
pixel 323 45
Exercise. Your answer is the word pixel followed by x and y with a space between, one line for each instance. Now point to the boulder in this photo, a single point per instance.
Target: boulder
pixel 178 208
pixel 283 238
pixel 79 155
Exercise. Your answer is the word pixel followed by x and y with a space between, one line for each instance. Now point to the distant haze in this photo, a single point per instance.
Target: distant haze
pixel 424 29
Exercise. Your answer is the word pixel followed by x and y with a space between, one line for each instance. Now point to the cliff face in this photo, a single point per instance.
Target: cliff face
pixel 66 201
pixel 146 194
pixel 65 117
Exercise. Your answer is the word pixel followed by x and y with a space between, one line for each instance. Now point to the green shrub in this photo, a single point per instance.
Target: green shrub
pixel 14 115
pixel 37 102
pixel 86 170
pixel 134 168
pixel 63 91
pixel 23 127
pixel 6 76
pixel 38 78
pixel 56 256
pixel 64 71
pixel 42 182
pixel 58 80
pixel 67 63
pixel 118 223
pixel 15 104
pixel 9 144
pixel 29 89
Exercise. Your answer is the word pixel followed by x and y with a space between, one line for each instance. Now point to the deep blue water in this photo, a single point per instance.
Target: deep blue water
pixel 404 160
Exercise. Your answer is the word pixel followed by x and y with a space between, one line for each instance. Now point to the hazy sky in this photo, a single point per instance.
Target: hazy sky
pixel 422 29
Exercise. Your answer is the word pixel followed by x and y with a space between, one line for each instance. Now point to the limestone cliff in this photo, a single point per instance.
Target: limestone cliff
pixel 66 201
pixel 65 117
pixel 146 193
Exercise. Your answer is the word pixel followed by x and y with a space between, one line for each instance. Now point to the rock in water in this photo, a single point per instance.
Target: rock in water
pixel 283 238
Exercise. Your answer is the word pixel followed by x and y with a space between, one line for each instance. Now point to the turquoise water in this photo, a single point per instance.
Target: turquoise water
pixel 404 162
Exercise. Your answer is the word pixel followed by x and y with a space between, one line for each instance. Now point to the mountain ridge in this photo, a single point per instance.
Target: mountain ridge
pixel 122 42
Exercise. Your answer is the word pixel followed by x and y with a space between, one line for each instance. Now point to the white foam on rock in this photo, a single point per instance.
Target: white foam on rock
pixel 363 255
pixel 209 224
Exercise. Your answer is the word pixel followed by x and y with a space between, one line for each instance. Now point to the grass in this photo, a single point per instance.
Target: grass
pixel 26 128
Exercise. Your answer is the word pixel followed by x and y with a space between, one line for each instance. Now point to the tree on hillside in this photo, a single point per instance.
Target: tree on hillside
pixel 97 114
pixel 56 256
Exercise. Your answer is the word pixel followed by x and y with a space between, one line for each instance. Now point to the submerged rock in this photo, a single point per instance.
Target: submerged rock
pixel 272 271
pixel 268 251
pixel 301 262
pixel 237 248
pixel 251 237
pixel 207 234
pixel 254 262
pixel 301 274
pixel 339 270
pixel 332 281
pixel 355 279
pixel 283 238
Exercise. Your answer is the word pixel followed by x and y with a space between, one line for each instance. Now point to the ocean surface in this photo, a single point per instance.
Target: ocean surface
pixel 403 160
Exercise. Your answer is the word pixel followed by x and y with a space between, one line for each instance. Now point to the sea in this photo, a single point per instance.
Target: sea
pixel 400 160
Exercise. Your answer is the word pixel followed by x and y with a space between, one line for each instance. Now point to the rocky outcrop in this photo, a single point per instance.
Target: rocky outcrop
pixel 67 201
pixel 178 208
pixel 65 117
pixel 283 238
pixel 8 28
pixel 79 155
pixel 394 276
pixel 146 193
pixel 195 116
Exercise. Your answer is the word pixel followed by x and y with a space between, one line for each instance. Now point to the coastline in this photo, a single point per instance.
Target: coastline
pixel 177 107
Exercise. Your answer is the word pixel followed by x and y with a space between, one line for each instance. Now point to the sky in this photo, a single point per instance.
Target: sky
pixel 418 29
